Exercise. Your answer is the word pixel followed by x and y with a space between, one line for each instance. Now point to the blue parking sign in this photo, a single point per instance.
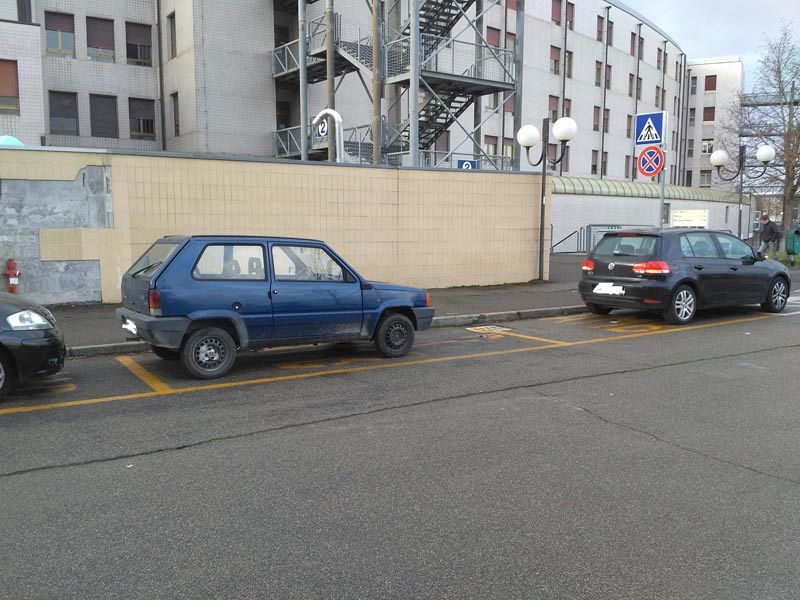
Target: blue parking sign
pixel 467 165
pixel 651 129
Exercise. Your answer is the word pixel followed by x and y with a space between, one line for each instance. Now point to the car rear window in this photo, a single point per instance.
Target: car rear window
pixel 643 246
pixel 152 259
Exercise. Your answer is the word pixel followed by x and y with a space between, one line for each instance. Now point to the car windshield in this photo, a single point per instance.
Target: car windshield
pixel 152 259
pixel 640 246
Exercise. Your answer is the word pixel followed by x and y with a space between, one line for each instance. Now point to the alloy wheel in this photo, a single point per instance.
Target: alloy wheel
pixel 684 305
pixel 779 294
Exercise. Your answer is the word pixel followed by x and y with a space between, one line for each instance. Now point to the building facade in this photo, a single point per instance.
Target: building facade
pixel 225 78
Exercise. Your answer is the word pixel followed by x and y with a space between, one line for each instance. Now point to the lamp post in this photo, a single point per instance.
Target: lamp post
pixel 720 158
pixel 564 129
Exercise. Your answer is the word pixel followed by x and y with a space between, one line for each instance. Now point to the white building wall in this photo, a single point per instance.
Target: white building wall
pixel 21 44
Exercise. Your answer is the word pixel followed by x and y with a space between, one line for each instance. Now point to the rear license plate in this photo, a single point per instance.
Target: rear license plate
pixel 609 289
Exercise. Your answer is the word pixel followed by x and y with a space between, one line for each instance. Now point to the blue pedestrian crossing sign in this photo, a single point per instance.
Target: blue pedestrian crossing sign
pixel 467 165
pixel 651 129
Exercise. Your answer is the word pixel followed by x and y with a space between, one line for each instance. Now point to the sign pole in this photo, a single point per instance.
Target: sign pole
pixel 661 194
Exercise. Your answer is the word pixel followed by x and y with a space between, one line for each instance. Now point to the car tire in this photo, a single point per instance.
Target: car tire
pixel 598 309
pixel 682 306
pixel 777 296
pixel 7 378
pixel 208 353
pixel 166 353
pixel 394 336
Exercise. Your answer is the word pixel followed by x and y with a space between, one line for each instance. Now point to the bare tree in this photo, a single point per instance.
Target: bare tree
pixel 771 115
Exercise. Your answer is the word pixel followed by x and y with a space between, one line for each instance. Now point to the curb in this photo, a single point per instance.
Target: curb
pixel 446 321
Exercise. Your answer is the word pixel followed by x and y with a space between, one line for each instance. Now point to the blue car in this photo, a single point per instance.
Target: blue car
pixel 198 299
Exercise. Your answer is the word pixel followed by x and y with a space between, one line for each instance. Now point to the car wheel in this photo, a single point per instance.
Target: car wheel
pixel 682 307
pixel 209 353
pixel 777 296
pixel 166 353
pixel 394 336
pixel 598 309
pixel 6 374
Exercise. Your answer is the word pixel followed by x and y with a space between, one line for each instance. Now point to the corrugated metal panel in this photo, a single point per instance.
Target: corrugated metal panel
pixel 636 189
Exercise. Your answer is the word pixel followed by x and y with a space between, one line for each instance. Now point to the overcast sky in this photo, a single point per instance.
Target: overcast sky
pixel 709 28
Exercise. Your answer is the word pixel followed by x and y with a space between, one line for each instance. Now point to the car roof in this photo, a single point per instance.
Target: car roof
pixel 180 238
pixel 671 231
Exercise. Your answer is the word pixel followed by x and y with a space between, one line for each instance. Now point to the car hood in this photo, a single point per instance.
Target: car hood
pixel 11 303
pixel 392 287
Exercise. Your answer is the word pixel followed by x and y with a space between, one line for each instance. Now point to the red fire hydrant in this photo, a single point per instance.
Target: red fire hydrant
pixel 13 275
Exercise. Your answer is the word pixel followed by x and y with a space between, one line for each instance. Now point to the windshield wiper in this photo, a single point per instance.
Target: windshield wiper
pixel 150 266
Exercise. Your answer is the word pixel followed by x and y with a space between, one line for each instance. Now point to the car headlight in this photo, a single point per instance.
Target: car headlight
pixel 27 320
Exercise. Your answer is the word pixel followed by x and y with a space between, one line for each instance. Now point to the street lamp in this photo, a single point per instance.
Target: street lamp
pixel 564 129
pixel 719 158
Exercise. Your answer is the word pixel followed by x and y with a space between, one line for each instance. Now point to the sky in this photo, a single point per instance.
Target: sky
pixel 710 28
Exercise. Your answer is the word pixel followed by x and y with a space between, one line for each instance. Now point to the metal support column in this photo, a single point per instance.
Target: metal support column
pixel 519 55
pixel 330 57
pixel 377 81
pixel 413 90
pixel 477 107
pixel 302 51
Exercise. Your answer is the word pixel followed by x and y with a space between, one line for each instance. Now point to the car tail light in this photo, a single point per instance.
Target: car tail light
pixel 652 267
pixel 154 302
pixel 427 299
pixel 587 265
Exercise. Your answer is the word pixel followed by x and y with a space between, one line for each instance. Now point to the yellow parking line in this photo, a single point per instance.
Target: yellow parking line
pixel 532 338
pixel 386 365
pixel 149 378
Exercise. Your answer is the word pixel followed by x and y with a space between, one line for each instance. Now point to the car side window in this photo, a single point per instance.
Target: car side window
pixel 306 263
pixel 734 248
pixel 230 262
pixel 702 245
pixel 686 247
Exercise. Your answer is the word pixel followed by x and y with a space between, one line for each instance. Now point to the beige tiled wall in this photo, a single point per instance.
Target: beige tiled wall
pixel 431 228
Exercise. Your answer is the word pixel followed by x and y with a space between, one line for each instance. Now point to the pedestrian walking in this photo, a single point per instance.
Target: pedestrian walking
pixel 770 234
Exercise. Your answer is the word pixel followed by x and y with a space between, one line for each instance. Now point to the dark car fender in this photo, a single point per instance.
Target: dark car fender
pixel 374 316
pixel 223 315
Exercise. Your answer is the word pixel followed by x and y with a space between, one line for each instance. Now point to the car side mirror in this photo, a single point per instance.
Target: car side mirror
pixel 759 256
pixel 750 260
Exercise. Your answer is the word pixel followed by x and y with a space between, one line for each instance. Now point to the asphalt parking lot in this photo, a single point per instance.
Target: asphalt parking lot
pixel 575 457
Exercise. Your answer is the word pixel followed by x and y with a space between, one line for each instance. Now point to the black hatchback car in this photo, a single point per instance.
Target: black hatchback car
pixel 678 271
pixel 30 342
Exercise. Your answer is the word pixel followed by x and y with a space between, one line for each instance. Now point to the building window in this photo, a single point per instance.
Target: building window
pixel 677 70
pixel 689 178
pixel 659 58
pixel 176 114
pixel 139 44
pixel 606 119
pixel 9 88
pixel 708 114
pixel 508 147
pixel 596 119
pixel 665 220
pixel 675 104
pixel 570 15
pixel 552 152
pixel 631 80
pixel 60 33
pixel 664 64
pixel 692 116
pixel 627 164
pixel 511 4
pixel 693 86
pixel 63 113
pixel 143 119
pixel 641 47
pixel 658 95
pixel 664 99
pixel 103 116
pixel 490 101
pixel 511 42
pixel 173 39
pixel 567 107
pixel 633 43
pixel 610 33
pixel 639 88
pixel 100 39
pixel 708 146
pixel 490 141
pixel 598 73
pixel 711 83
pixel 629 126
pixel 605 164
pixel 705 178
pixel 594 162
pixel 556 12
pixel 552 107
pixel 601 25
pixel 690 148
pixel 568 63
pixel 493 36
pixel 555 60
pixel 608 77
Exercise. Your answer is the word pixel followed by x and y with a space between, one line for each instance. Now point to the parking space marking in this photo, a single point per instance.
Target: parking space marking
pixel 168 391
pixel 506 332
pixel 155 383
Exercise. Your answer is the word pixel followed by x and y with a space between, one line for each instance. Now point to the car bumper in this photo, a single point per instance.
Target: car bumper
pixel 38 352
pixel 639 295
pixel 424 317
pixel 166 332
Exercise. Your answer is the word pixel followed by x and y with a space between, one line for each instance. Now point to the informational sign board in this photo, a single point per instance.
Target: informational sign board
pixel 467 165
pixel 322 128
pixel 650 161
pixel 689 218
pixel 651 129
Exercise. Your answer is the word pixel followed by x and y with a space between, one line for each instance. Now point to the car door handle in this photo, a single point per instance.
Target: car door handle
pixel 698 267
pixel 734 268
